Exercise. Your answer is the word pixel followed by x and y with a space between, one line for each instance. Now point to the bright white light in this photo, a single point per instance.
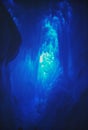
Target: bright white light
pixel 41 59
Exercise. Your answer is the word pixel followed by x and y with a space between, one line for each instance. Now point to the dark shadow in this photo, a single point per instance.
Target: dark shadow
pixel 10 41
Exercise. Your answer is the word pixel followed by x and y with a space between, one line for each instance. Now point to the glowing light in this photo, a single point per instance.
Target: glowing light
pixel 41 59
pixel 49 65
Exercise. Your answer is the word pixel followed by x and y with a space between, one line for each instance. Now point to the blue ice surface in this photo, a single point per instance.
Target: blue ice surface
pixel 32 78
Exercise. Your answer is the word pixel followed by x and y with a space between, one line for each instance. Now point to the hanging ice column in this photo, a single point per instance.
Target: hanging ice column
pixel 49 67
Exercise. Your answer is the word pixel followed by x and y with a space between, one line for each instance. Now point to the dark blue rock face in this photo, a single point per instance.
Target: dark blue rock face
pixel 10 41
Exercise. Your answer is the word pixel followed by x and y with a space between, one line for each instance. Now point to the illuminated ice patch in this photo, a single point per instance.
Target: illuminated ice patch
pixel 49 64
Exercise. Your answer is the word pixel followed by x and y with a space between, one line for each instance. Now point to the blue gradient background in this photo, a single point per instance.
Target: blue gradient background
pixel 45 76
